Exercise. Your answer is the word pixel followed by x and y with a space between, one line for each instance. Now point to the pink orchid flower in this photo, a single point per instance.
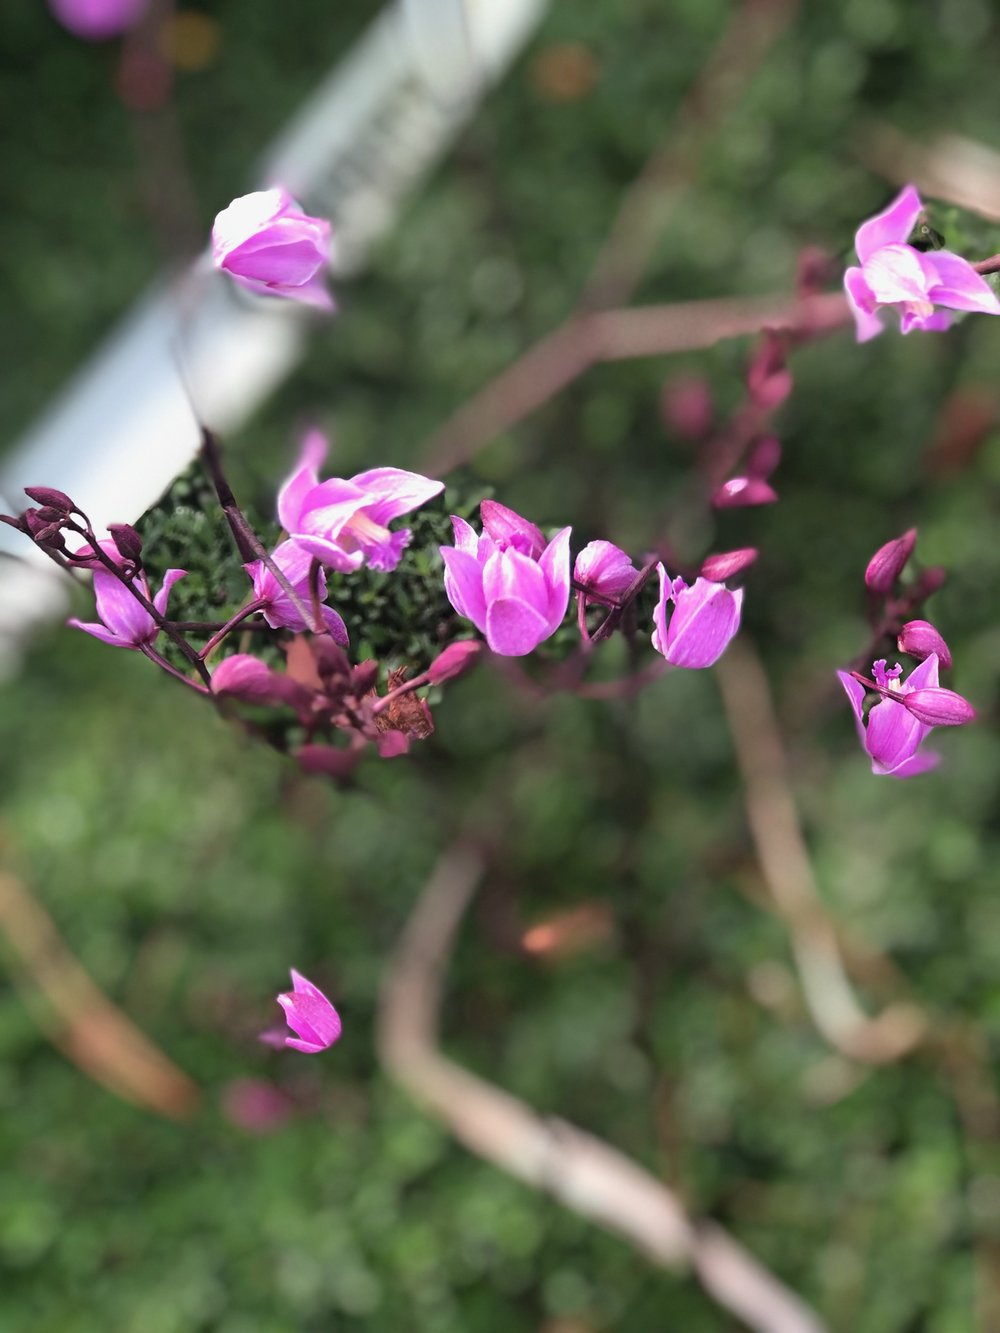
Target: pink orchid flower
pixel 267 244
pixel 893 273
pixel 124 623
pixel 509 582
pixel 704 619
pixel 310 1015
pixel 279 610
pixel 604 570
pixel 94 20
pixel 893 734
pixel 345 523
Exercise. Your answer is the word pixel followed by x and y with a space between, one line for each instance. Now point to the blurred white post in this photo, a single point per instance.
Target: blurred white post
pixel 123 427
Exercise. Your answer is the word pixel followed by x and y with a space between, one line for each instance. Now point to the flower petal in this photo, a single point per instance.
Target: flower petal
pixel 463 585
pixel 292 496
pixel 910 768
pixel 392 492
pixel 161 599
pixel 893 734
pixel 705 618
pixel 958 284
pixel 99 632
pixel 861 299
pixel 897 273
pixel 506 527
pixel 513 627
pixel 554 564
pixel 120 611
pixel 856 694
pixel 892 226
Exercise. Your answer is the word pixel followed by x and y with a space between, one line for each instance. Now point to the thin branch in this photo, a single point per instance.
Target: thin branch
pixel 80 1020
pixel 579 1170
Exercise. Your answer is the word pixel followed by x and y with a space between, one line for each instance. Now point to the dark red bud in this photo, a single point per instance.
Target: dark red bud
pixel 333 762
pixel 14 521
pixel 718 568
pixel 456 659
pixel 127 540
pixel 919 638
pixel 47 495
pixel 938 708
pixel 888 562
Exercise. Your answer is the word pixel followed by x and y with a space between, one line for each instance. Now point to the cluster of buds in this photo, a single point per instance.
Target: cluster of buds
pixel 908 709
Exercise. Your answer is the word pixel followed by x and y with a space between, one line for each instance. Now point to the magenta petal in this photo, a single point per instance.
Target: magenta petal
pixel 910 768
pixel 313 1018
pixel 924 676
pixel 554 564
pixel 171 577
pixel 330 552
pixel 958 284
pixel 892 226
pixel 898 273
pixel 280 261
pixel 120 611
pixel 659 637
pixel 506 527
pixel 856 694
pixel 335 626
pixel 936 322
pixel 99 632
pixel 392 492
pixel 466 538
pixel 511 574
pixel 861 299
pixel 605 569
pixel 514 628
pixel 292 496
pixel 705 618
pixel 893 734
pixel 463 585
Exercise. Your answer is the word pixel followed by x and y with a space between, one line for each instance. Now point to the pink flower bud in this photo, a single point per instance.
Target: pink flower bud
pixel 456 659
pixel 742 492
pixel 928 582
pixel 764 457
pixel 768 379
pixel 888 562
pixel 686 404
pixel 506 528
pixel 718 568
pixel 248 678
pixel 267 244
pixel 94 20
pixel 605 570
pixel 939 708
pixel 919 638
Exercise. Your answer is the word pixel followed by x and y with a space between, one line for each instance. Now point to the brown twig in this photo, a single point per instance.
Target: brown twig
pixel 584 1173
pixel 80 1020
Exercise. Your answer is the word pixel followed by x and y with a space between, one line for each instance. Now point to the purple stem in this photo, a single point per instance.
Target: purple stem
pixel 231 624
pixel 148 651
pixel 612 620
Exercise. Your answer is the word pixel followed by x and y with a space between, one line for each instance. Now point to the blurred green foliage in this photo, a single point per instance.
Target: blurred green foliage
pixel 188 869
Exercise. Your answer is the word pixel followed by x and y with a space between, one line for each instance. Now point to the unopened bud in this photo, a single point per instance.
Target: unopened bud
pixel 929 581
pixel 768 379
pixel 741 492
pixel 919 638
pixel 938 708
pixel 504 526
pixel 764 457
pixel 686 404
pixel 886 565
pixel 48 495
pixel 456 659
pixel 127 540
pixel 723 566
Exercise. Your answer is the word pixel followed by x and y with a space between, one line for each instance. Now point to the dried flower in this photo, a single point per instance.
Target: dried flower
pixel 893 273
pixel 267 244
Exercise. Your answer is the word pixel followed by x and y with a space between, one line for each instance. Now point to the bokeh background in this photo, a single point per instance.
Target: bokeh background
pixel 186 869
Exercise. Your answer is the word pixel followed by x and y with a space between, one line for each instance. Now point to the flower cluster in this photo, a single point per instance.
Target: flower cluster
pixel 907 710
